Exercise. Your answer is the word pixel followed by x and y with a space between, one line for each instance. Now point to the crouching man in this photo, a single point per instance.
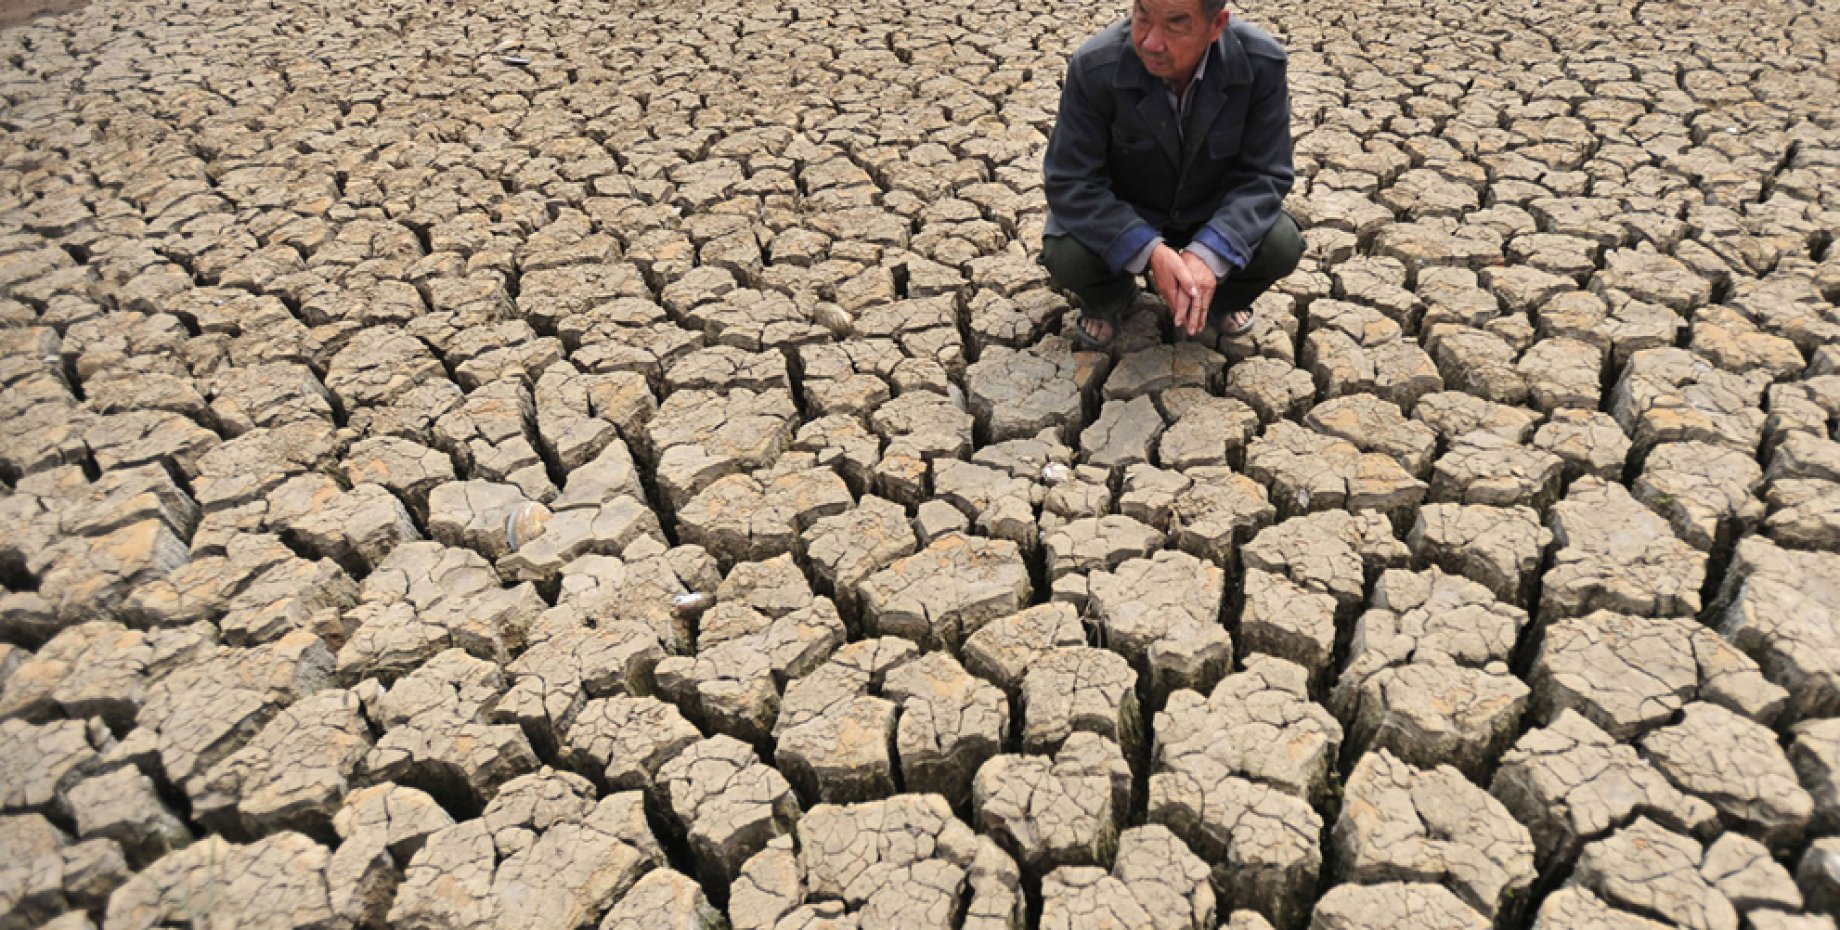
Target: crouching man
pixel 1171 155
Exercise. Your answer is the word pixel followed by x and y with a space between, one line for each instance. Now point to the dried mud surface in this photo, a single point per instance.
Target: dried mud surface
pixel 620 465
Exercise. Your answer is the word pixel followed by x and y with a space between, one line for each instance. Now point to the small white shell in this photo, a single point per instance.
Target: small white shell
pixel 690 602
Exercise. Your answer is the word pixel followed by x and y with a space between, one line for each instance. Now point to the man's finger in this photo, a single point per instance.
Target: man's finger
pixel 1185 291
pixel 1176 296
pixel 1185 286
pixel 1178 299
pixel 1201 294
pixel 1171 294
pixel 1168 278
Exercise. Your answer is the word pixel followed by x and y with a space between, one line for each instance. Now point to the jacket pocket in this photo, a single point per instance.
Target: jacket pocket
pixel 1131 138
pixel 1223 141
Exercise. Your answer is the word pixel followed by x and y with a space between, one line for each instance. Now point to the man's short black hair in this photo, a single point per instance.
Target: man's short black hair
pixel 1212 8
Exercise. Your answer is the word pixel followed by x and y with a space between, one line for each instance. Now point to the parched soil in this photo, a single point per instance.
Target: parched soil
pixel 599 464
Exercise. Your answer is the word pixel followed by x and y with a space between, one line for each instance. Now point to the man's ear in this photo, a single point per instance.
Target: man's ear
pixel 1220 22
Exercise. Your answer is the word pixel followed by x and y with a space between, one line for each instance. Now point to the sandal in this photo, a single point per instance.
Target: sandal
pixel 1252 318
pixel 1090 341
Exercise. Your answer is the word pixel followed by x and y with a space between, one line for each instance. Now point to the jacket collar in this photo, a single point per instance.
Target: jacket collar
pixel 1227 66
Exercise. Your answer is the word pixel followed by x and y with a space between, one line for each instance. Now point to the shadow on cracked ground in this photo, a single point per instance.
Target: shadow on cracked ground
pixel 14 12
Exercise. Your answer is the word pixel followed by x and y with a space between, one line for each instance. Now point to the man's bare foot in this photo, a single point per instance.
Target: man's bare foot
pixel 1100 330
pixel 1237 323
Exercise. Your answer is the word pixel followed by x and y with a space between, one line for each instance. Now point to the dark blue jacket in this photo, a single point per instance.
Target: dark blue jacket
pixel 1118 174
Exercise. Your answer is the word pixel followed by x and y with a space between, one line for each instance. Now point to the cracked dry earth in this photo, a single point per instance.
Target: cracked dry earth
pixel 1492 581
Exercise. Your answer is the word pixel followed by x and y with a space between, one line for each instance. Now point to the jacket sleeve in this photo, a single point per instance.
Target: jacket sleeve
pixel 1077 181
pixel 1262 173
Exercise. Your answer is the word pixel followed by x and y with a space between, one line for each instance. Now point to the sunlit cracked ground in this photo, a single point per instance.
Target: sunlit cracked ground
pixel 1493 580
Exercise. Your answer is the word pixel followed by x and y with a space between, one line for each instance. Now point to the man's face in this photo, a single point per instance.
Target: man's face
pixel 1170 36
